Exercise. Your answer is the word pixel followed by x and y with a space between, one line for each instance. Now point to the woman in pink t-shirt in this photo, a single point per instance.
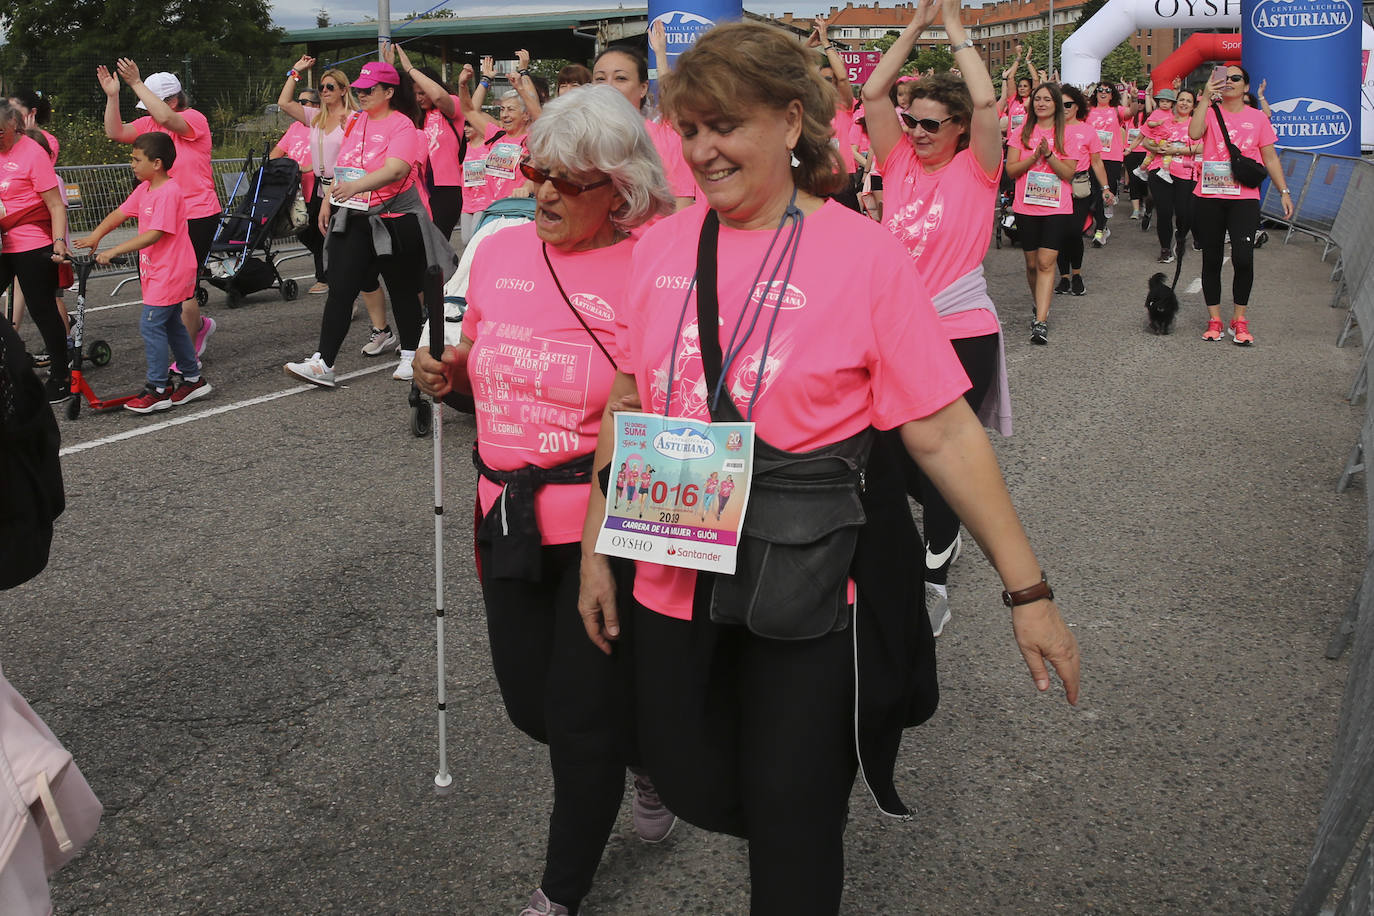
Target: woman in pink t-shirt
pixel 1171 170
pixel 373 177
pixel 1224 206
pixel 943 175
pixel 33 230
pixel 443 126
pixel 1085 148
pixel 505 137
pixel 169 112
pixel 1137 186
pixel 1039 160
pixel 1108 116
pixel 35 111
pixel 537 355
pixel 813 356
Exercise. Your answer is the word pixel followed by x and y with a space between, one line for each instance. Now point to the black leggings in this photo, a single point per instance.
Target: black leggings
pixel 1173 207
pixel 978 355
pixel 37 277
pixel 446 204
pixel 201 232
pixel 310 236
pixel 1071 255
pixel 1139 189
pixel 1099 202
pixel 1214 219
pixel 353 268
pixel 561 690
pixel 763 749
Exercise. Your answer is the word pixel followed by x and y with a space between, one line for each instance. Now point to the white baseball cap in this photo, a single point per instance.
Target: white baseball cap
pixel 163 85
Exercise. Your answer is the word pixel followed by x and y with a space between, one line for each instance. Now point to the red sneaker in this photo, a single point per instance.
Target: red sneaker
pixel 189 391
pixel 150 400
pixel 1240 331
pixel 1213 331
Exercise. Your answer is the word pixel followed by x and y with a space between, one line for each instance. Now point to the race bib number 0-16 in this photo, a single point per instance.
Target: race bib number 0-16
pixel 358 201
pixel 678 491
pixel 1043 189
pixel 1217 179
pixel 503 159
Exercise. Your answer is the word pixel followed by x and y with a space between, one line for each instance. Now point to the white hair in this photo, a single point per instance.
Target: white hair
pixel 594 129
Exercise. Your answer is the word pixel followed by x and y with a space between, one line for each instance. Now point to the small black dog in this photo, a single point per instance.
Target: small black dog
pixel 1161 303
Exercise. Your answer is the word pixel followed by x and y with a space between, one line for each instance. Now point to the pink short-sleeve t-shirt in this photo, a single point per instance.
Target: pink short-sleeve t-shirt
pixel 166 268
pixel 442 141
pixel 668 142
pixel 53 146
pixel 499 188
pixel 1016 115
pixel 369 142
pixel 25 173
pixel 941 218
pixel 192 169
pixel 1181 166
pixel 1082 141
pixel 843 125
pixel 1106 120
pixel 1157 128
pixel 476 194
pixel 1250 130
pixel 1040 192
pixel 850 349
pixel 296 143
pixel 540 382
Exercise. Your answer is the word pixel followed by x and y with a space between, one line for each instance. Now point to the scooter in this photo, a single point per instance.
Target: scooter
pixel 99 353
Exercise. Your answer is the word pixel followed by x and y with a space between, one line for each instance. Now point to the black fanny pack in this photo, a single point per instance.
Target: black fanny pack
pixel 1245 170
pixel 804 514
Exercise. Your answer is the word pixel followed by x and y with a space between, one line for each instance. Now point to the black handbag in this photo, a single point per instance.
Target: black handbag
pixel 804 514
pixel 1245 170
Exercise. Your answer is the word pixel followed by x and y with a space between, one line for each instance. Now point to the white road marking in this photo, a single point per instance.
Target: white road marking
pixel 120 305
pixel 214 411
pixel 1196 286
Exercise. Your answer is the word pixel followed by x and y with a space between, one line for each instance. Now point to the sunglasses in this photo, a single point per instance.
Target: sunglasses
pixel 929 125
pixel 561 185
pixel 369 90
pixel 329 86
pixel 1236 78
pixel 1104 91
pixel 1070 103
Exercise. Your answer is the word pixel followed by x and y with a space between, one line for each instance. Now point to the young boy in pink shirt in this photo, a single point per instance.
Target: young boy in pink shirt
pixel 167 272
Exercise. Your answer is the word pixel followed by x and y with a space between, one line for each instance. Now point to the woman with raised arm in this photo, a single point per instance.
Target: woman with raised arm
pixel 942 162
pixel 1225 206
pixel 1038 160
pixel 505 136
pixel 736 310
pixel 1085 148
pixel 1109 116
pixel 442 126
pixel 598 179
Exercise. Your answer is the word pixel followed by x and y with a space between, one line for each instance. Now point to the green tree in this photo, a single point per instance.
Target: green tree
pixel 937 58
pixel 1123 63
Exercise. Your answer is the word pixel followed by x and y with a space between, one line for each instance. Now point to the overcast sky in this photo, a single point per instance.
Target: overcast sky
pixel 300 14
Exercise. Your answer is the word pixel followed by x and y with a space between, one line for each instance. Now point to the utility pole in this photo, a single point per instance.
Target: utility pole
pixel 383 23
pixel 1049 61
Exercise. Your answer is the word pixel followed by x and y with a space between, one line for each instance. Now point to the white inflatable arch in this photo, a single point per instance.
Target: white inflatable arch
pixel 1083 51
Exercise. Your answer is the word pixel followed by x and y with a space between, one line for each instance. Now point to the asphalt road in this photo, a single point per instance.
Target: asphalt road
pixel 235 636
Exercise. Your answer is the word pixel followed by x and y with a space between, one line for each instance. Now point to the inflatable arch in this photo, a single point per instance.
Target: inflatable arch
pixel 1196 50
pixel 1083 51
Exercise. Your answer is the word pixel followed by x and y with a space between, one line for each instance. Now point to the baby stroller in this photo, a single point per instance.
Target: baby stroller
pixel 247 226
pixel 509 211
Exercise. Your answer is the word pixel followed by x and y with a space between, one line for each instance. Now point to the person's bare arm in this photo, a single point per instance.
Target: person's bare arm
pixel 432 90
pixel 115 128
pixel 160 111
pixel 985 133
pixel 884 131
pixel 286 99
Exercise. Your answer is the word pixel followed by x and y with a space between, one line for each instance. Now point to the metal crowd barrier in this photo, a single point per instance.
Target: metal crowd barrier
pixel 1336 204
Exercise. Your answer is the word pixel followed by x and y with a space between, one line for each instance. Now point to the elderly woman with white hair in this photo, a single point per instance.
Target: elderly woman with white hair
pixel 506 136
pixel 538 356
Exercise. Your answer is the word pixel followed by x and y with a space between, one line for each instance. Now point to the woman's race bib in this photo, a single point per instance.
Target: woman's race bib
pixel 475 173
pixel 1132 135
pixel 1217 179
pixel 503 159
pixel 1017 120
pixel 1042 189
pixel 1106 137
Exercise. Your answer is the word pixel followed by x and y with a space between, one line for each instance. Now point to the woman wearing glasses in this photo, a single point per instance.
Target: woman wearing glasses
pixel 375 178
pixel 1109 117
pixel 940 185
pixel 1224 206
pixel 325 120
pixel 556 289
pixel 1085 148
pixel 505 136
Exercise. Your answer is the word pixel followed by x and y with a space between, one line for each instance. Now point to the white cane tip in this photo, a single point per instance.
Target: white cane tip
pixel 443 780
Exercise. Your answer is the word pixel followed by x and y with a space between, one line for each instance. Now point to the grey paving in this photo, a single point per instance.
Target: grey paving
pixel 235 637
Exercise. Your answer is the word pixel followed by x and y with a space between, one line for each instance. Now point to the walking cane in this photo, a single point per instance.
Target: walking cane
pixel 434 305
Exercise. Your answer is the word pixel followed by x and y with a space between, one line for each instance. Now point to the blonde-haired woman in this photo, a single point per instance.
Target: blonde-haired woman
pixel 326 133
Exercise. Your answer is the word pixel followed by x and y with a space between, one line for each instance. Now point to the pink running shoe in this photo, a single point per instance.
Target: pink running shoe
pixel 1240 330
pixel 1213 331
pixel 207 327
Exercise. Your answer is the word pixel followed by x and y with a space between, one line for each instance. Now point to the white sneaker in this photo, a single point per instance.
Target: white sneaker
pixel 1165 177
pixel 937 606
pixel 312 370
pixel 405 371
pixel 1139 172
pixel 381 340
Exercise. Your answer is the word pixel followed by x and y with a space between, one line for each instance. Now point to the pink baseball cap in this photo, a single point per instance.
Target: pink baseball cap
pixel 374 73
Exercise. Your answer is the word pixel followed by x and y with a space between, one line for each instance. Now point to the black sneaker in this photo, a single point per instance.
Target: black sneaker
pixel 1040 332
pixel 1166 256
pixel 42 360
pixel 58 388
pixel 1078 289
pixel 1063 286
pixel 1145 221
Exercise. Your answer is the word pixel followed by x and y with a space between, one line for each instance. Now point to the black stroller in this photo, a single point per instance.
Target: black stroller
pixel 248 225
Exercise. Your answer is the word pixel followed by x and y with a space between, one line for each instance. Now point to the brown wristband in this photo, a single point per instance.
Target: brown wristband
pixel 1036 592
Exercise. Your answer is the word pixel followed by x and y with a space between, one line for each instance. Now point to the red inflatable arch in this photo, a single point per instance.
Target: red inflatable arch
pixel 1199 48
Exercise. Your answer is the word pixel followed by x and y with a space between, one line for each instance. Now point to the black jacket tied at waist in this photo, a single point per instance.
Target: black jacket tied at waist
pixel 510 530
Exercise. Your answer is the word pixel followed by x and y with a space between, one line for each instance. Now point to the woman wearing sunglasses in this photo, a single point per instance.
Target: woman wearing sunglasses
pixel 1109 117
pixel 561 283
pixel 1224 206
pixel 1172 181
pixel 1085 148
pixel 942 163
pixel 325 120
pixel 374 200
pixel 1039 161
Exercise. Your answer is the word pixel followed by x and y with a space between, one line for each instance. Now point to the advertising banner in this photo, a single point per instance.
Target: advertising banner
pixel 1309 51
pixel 685 20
